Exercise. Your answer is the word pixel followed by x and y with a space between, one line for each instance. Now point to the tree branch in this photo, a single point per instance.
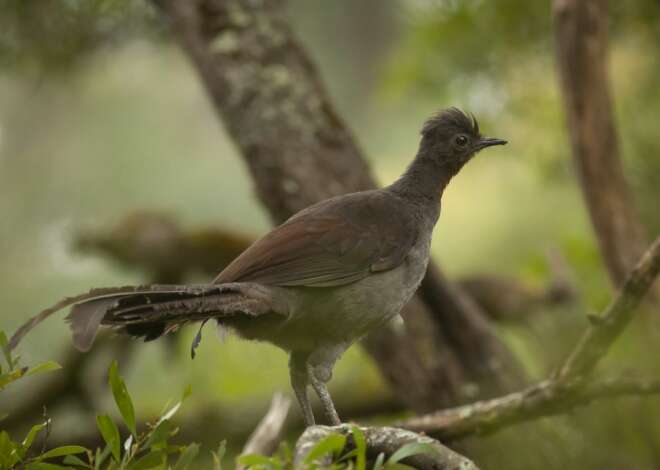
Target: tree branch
pixel 570 386
pixel 267 434
pixel 547 398
pixel 581 49
pixel 605 329
pixel 387 440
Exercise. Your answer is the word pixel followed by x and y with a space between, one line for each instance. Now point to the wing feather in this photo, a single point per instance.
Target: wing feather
pixel 336 242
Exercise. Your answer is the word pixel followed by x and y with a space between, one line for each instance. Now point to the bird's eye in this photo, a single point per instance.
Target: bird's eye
pixel 461 140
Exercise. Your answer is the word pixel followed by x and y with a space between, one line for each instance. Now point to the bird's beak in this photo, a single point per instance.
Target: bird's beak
pixel 489 141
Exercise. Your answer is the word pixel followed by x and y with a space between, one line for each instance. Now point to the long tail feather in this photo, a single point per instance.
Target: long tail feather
pixel 148 311
pixel 106 294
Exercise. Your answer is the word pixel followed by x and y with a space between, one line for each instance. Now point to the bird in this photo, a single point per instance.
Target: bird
pixel 315 284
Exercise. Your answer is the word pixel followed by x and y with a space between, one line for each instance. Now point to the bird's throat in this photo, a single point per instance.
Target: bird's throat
pixel 425 180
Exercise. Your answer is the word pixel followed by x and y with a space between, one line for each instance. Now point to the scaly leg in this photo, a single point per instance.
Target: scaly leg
pixel 319 376
pixel 300 376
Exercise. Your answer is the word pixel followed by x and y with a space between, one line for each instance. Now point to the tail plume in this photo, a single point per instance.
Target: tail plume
pixel 146 311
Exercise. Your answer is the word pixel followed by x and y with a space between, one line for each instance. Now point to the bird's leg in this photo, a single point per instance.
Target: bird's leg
pixel 319 376
pixel 299 380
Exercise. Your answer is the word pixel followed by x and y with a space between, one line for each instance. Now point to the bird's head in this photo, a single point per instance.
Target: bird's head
pixel 452 137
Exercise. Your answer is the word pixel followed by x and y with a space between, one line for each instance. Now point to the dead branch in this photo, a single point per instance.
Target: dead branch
pixel 268 433
pixel 387 440
pixel 570 386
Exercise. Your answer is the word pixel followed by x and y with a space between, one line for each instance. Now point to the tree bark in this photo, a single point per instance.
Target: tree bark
pixel 581 48
pixel 386 441
pixel 274 106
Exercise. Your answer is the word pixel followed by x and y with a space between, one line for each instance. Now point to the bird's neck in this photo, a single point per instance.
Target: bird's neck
pixel 424 181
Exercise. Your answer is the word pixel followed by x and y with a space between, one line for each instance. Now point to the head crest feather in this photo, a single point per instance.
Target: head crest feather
pixel 451 120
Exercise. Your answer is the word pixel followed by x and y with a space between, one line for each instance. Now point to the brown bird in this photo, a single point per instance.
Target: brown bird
pixel 315 284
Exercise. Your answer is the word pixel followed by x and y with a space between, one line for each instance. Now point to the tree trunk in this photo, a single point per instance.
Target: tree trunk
pixel 581 48
pixel 274 106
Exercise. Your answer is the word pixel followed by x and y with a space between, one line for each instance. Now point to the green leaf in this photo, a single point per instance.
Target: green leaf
pixel 73 460
pixel 408 450
pixel 378 464
pixel 8 451
pixel 101 456
pixel 360 447
pixel 249 460
pixel 284 454
pixel 218 455
pixel 122 398
pixel 110 435
pixel 175 408
pixel 160 434
pixel 32 435
pixel 6 379
pixel 61 451
pixel 45 466
pixel 4 344
pixel 151 460
pixel 43 367
pixel 333 443
pixel 187 457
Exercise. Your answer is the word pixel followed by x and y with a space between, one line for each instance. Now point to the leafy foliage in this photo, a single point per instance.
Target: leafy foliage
pixel 12 372
pixel 151 448
pixel 139 451
pixel 338 452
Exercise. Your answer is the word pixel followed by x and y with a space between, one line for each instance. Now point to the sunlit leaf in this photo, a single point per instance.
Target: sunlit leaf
pixel 110 435
pixel 360 447
pixel 61 451
pixel 122 398
pixel 408 450
pixel 43 367
pixel 334 443
pixel 380 460
pixel 32 435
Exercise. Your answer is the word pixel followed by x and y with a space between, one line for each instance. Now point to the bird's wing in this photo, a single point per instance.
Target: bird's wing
pixel 332 243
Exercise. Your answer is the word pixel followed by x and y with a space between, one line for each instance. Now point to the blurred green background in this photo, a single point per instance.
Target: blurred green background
pixel 101 115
